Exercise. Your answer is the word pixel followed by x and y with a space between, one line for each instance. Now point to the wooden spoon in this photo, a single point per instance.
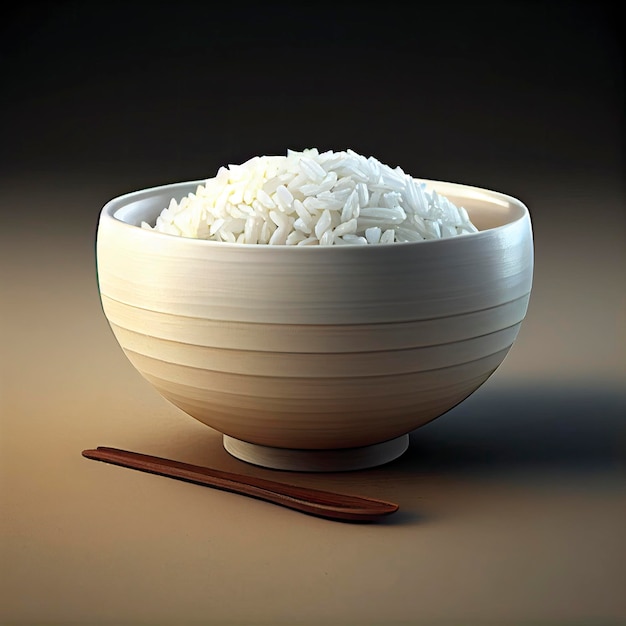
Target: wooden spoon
pixel 312 501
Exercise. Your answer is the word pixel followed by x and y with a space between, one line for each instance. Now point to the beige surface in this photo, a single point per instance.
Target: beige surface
pixel 512 506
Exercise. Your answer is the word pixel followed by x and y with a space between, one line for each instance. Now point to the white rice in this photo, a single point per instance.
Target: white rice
pixel 311 198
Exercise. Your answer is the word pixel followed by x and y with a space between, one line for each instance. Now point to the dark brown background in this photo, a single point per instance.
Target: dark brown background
pixel 512 505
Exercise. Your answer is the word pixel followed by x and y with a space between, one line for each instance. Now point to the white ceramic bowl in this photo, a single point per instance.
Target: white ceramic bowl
pixel 315 358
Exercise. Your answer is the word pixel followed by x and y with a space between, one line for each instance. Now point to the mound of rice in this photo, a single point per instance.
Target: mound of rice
pixel 311 198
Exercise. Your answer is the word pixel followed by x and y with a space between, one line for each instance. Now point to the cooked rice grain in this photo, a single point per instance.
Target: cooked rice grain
pixel 313 198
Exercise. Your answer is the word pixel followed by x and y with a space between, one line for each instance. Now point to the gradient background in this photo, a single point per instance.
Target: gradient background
pixel 512 505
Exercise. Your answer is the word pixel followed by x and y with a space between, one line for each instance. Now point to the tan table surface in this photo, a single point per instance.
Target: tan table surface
pixel 512 506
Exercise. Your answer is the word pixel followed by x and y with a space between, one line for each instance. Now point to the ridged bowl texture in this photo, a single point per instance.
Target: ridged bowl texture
pixel 319 347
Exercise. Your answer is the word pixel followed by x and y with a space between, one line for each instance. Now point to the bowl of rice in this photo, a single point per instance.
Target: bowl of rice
pixel 316 307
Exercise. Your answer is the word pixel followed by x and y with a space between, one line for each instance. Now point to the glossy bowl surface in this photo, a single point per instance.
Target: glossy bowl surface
pixel 306 357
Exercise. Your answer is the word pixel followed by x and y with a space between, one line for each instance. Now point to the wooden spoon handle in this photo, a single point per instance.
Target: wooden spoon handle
pixel 313 501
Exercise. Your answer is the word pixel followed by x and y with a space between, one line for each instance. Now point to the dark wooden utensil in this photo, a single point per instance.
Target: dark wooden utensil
pixel 325 504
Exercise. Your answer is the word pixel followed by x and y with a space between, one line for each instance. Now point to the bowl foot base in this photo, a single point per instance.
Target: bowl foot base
pixel 317 460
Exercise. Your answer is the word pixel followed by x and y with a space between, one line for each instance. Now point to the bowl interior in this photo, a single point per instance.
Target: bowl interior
pixel 487 209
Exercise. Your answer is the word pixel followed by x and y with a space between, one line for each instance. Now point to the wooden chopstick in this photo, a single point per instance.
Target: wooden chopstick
pixel 316 502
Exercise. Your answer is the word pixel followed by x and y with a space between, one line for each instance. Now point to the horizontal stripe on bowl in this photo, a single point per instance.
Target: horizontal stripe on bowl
pixel 318 422
pixel 315 338
pixel 316 365
pixel 310 388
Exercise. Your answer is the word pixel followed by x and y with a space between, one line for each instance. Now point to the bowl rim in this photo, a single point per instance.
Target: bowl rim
pixel 112 208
